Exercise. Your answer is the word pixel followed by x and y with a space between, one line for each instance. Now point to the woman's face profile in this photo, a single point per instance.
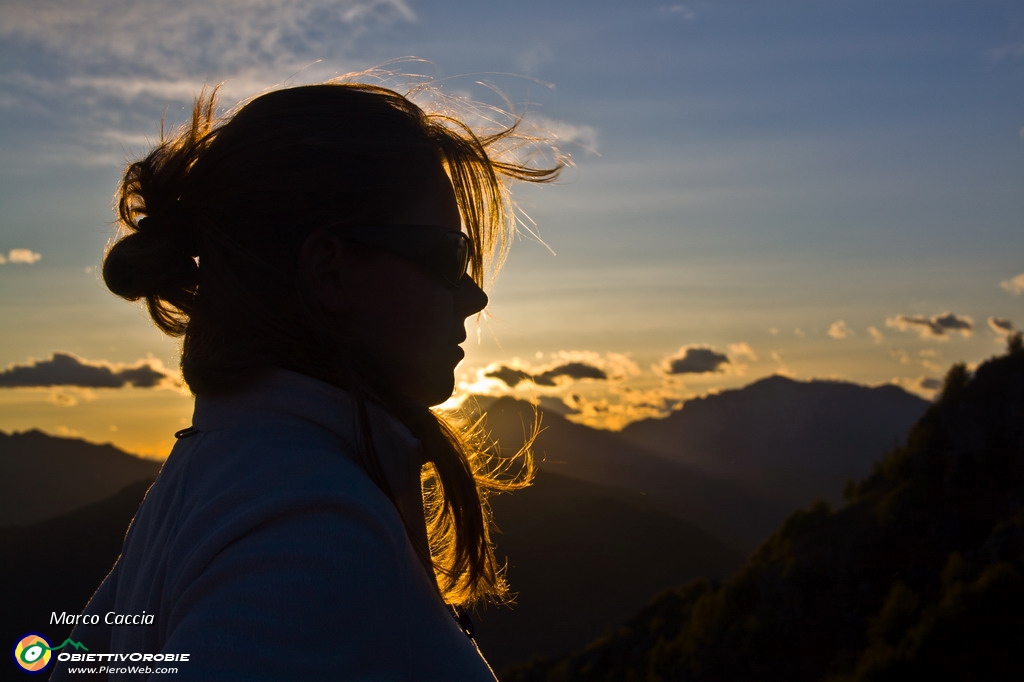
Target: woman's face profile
pixel 406 319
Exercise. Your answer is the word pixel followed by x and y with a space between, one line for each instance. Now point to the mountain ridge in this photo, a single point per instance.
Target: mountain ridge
pixel 787 439
pixel 42 476
pixel 728 510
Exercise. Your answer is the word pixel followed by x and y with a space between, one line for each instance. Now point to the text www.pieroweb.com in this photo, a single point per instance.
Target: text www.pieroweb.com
pixel 123 670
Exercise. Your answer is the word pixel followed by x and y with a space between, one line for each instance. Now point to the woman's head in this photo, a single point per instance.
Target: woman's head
pixel 249 236
pixel 319 229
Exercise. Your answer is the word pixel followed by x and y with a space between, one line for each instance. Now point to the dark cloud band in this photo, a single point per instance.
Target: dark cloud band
pixel 1000 325
pixel 695 360
pixel 64 369
pixel 935 327
pixel 569 370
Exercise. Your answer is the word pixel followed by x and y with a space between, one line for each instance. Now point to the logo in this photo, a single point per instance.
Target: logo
pixel 32 652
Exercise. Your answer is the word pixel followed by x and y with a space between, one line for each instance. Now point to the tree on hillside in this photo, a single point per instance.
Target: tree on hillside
pixel 1015 343
pixel 956 379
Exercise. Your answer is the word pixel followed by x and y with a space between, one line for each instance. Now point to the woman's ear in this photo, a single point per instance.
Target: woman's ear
pixel 323 268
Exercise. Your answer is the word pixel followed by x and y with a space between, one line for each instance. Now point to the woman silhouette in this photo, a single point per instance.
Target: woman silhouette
pixel 319 253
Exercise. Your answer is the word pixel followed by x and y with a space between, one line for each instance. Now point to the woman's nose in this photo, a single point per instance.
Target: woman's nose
pixel 470 298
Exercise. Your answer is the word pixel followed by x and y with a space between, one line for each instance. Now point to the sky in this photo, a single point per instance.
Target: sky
pixel 823 189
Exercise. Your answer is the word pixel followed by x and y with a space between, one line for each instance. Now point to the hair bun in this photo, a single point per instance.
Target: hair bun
pixel 155 261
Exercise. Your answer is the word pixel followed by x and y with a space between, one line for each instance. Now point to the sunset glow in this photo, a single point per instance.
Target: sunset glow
pixel 819 190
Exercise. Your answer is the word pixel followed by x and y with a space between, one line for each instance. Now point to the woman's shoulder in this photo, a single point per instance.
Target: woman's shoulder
pixel 225 484
pixel 232 479
pixel 274 451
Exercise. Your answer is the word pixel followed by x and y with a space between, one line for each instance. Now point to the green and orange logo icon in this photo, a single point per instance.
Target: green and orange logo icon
pixel 33 653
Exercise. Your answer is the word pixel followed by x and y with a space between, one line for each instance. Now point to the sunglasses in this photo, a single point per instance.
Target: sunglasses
pixel 440 251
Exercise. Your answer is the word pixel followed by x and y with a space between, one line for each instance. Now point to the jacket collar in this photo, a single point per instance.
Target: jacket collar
pixel 276 393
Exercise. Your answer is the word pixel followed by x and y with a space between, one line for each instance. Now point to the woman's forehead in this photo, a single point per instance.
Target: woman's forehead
pixel 430 200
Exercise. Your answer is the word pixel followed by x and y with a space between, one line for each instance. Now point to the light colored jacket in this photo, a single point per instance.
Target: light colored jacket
pixel 265 552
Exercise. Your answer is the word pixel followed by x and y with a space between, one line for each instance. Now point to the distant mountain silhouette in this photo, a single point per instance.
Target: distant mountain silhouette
pixel 56 564
pixel 919 576
pixel 582 557
pixel 731 511
pixel 792 441
pixel 42 476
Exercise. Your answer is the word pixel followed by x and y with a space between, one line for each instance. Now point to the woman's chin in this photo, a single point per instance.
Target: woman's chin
pixel 439 396
pixel 430 391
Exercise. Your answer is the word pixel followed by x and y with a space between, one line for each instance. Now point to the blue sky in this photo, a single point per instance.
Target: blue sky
pixel 825 189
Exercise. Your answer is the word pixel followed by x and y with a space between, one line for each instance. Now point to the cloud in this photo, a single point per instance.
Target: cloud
pixel 21 256
pixel 935 327
pixel 567 133
pixel 62 399
pixel 510 376
pixel 136 61
pixel 67 432
pixel 1000 325
pixel 677 10
pixel 194 36
pixel 900 355
pixel 64 369
pixel 571 370
pixel 922 385
pixel 694 360
pixel 570 384
pixel 567 367
pixel 781 368
pixel 1007 52
pixel 927 357
pixel 615 409
pixel 513 376
pixel 742 350
pixel 532 58
pixel 63 396
pixel 839 330
pixel 876 335
pixel 1015 285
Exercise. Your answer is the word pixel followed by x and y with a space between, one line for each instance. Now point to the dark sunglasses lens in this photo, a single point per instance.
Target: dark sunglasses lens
pixel 443 252
pixel 460 258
